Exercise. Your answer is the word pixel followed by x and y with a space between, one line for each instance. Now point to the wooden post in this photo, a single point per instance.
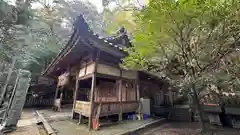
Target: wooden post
pixel 170 97
pixel 55 97
pixel 56 93
pixel 138 92
pixel 61 97
pixel 80 119
pixel 74 97
pixel 93 87
pixel 138 97
pixel 120 95
pixel 92 100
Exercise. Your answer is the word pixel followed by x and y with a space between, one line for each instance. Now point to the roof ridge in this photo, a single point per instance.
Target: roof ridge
pixel 109 39
pixel 81 28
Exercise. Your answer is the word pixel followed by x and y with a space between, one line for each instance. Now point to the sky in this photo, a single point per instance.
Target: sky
pixel 97 3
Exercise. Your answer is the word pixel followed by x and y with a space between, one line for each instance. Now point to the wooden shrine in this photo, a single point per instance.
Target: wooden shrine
pixel 89 65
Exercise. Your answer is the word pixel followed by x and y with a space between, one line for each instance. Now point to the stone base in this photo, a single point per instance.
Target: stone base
pixel 214 119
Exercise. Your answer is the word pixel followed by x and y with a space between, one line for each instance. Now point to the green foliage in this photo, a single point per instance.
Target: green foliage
pixel 186 40
pixel 14 30
pixel 123 14
pixel 117 18
pixel 35 36
pixel 71 9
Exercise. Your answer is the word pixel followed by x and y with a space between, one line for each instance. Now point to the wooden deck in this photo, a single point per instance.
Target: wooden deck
pixel 108 108
pixel 83 108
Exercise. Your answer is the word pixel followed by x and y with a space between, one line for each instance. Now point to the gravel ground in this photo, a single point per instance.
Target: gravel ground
pixel 182 128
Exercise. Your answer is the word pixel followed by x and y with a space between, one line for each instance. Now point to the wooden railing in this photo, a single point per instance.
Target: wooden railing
pixel 82 107
pixel 111 108
pixel 130 107
pixel 108 69
pixel 107 108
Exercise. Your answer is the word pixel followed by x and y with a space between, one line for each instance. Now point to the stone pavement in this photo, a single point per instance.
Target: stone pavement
pixel 185 128
pixel 27 124
pixel 61 122
pixel 63 125
pixel 51 115
pixel 69 127
pixel 26 130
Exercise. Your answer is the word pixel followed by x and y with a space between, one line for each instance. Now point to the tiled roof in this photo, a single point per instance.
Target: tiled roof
pixel 118 40
pixel 81 29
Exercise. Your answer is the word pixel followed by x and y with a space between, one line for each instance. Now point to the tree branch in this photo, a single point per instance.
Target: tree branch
pixel 227 51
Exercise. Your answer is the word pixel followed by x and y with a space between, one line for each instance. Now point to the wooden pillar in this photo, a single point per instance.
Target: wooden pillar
pixel 137 91
pixel 137 84
pixel 55 97
pixel 56 94
pixel 92 101
pixel 120 95
pixel 74 97
pixel 138 97
pixel 61 97
pixel 170 94
pixel 93 87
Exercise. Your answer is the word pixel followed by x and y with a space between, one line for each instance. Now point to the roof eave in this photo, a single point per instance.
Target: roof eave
pixel 45 72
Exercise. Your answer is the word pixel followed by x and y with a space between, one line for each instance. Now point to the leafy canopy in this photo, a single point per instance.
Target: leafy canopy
pixel 35 36
pixel 187 40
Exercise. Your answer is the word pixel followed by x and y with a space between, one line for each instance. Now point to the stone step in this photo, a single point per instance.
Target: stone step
pixel 143 128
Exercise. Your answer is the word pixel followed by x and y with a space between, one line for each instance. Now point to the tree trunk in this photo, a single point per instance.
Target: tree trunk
pixel 197 101
pixel 198 107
